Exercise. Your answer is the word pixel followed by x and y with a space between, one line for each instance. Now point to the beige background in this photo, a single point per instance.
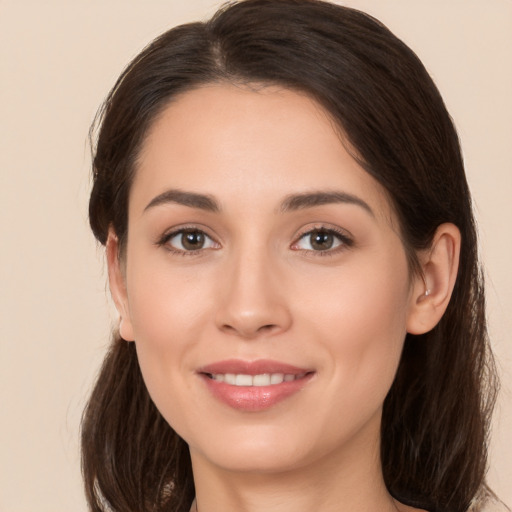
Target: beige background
pixel 58 59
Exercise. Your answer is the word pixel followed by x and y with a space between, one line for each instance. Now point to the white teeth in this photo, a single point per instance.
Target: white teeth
pixel 230 378
pixel 243 380
pixel 276 378
pixel 261 380
pixel 264 379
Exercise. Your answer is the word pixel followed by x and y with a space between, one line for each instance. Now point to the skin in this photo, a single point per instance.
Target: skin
pixel 258 289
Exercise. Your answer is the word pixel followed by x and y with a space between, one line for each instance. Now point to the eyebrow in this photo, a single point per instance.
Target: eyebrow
pixel 312 199
pixel 191 199
pixel 291 203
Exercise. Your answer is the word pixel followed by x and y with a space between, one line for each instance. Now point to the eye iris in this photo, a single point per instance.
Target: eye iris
pixel 192 240
pixel 321 240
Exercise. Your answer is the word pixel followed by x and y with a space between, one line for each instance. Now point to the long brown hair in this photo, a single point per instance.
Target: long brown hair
pixel 436 415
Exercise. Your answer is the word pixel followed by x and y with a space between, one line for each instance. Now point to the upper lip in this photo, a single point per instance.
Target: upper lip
pixel 258 367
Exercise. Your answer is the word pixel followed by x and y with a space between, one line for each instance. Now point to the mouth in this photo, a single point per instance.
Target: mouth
pixel 253 386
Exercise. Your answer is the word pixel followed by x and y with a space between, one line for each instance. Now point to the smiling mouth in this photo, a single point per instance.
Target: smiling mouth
pixel 253 386
pixel 260 380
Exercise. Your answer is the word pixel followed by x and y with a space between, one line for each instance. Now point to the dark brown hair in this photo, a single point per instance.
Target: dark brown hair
pixel 436 415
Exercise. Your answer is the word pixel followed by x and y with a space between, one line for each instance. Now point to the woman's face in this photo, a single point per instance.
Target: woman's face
pixel 267 289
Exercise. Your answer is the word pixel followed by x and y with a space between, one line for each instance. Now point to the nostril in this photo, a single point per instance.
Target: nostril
pixel 248 331
pixel 268 327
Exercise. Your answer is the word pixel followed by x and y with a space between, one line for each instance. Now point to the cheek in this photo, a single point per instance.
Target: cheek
pixel 166 303
pixel 360 315
pixel 169 312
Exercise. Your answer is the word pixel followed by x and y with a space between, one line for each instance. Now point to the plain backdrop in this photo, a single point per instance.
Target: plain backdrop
pixel 58 59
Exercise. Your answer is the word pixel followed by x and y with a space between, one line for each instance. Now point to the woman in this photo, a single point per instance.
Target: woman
pixel 293 257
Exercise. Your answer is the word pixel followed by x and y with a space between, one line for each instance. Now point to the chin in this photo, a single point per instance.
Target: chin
pixel 247 451
pixel 255 461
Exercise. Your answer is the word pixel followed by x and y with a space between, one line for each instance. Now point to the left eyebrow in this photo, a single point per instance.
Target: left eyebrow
pixel 312 199
pixel 191 199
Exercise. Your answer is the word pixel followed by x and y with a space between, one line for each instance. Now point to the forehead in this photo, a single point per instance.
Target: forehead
pixel 260 144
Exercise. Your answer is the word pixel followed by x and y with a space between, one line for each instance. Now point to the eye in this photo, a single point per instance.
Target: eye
pixel 188 240
pixel 321 240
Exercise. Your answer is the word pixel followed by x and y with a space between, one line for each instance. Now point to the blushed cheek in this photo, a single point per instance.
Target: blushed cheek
pixel 368 316
pixel 168 315
pixel 159 298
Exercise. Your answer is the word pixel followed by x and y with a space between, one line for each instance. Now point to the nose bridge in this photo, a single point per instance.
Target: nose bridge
pixel 253 298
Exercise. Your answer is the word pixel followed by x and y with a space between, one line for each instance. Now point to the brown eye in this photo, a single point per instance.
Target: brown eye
pixel 187 240
pixel 192 240
pixel 322 240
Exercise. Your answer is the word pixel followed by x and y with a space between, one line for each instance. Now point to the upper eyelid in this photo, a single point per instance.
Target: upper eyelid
pixel 171 232
pixel 324 227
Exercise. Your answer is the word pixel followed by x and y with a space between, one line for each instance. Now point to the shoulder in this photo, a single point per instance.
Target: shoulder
pixel 487 501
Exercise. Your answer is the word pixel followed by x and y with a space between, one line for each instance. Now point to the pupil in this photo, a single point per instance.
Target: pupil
pixel 192 240
pixel 321 240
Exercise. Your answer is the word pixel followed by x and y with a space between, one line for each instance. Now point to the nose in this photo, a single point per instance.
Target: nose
pixel 253 298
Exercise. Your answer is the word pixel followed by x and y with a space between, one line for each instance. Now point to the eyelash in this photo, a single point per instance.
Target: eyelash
pixel 344 240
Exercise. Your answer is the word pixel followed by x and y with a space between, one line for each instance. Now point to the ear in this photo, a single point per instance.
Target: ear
pixel 432 290
pixel 117 283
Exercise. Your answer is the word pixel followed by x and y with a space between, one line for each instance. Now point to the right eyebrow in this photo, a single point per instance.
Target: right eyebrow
pixel 191 199
pixel 312 199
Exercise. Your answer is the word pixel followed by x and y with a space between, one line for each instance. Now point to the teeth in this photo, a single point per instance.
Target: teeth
pixel 230 378
pixel 261 380
pixel 276 378
pixel 243 380
pixel 264 379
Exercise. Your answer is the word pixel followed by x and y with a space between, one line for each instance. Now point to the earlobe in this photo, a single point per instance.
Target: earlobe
pixel 117 286
pixel 433 289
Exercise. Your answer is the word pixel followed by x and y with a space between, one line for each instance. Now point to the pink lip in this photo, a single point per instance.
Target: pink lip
pixel 253 398
pixel 252 367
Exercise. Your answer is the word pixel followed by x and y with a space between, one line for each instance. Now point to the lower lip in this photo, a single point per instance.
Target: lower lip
pixel 254 398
